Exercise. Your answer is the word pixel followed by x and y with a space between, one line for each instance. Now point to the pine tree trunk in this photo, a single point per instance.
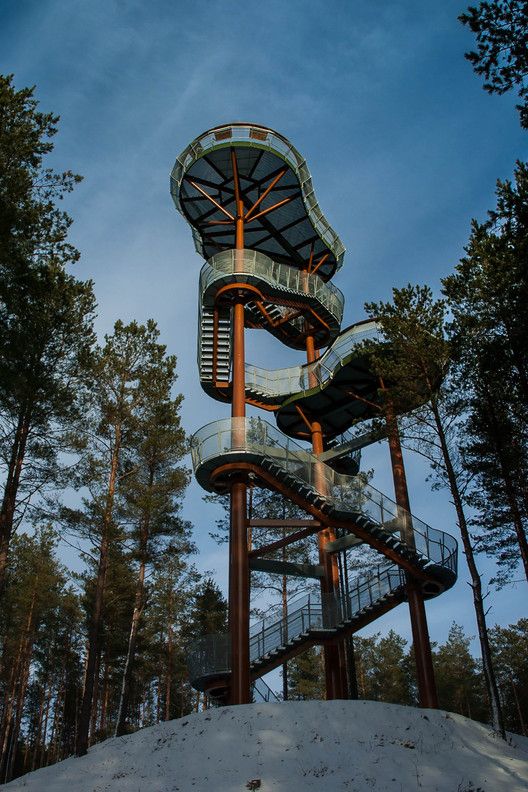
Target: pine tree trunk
pixel 427 692
pixel 158 701
pixel 508 485
pixel 132 640
pixel 14 683
pixel 96 620
pixel 7 511
pixel 58 713
pixel 19 712
pixel 518 706
pixel 43 749
pixel 476 583
pixel 41 755
pixel 168 682
pixel 136 615
pixel 38 731
pixel 60 704
pixel 361 680
pixel 104 696
pixel 95 701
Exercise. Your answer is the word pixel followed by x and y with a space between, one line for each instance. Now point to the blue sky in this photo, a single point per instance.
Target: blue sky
pixel 404 147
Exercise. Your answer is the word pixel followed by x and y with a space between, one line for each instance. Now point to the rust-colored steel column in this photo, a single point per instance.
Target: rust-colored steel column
pixel 238 556
pixel 422 646
pixel 334 655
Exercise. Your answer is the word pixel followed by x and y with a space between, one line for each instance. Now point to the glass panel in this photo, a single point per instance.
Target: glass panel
pixel 352 496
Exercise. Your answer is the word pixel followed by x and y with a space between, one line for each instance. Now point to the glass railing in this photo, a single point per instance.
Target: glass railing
pixel 351 496
pixel 209 654
pixel 281 383
pixel 281 276
pixel 267 139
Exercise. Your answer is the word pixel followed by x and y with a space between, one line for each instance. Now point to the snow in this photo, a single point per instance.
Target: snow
pixel 352 746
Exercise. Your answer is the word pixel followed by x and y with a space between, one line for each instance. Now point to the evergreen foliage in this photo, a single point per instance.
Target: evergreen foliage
pixel 384 670
pixel 487 296
pixel 501 30
pixel 510 650
pixel 306 680
pixel 45 313
pixel 458 677
pixel 413 372
pixel 130 439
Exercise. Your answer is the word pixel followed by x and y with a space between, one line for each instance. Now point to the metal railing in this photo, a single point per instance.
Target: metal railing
pixel 282 383
pixel 279 276
pixel 351 496
pixel 266 139
pixel 261 691
pixel 310 613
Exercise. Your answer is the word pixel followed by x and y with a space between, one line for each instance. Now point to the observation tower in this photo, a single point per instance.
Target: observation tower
pixel 270 256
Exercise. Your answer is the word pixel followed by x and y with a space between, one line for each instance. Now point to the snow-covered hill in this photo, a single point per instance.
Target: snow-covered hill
pixel 352 746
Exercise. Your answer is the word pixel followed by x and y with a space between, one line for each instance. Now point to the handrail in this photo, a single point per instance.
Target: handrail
pixel 262 692
pixel 307 614
pixel 296 282
pixel 215 443
pixel 280 384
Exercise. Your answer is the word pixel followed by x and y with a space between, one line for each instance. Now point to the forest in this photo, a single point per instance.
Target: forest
pixel 93 459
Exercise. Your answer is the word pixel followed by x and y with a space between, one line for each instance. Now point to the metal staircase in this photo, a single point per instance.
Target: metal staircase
pixel 214 351
pixel 347 502
pixel 310 619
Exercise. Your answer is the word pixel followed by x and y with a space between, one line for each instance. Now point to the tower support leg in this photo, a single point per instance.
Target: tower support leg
pixel 239 592
pixel 239 597
pixel 334 653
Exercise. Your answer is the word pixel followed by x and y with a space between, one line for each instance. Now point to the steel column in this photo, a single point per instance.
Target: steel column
pixel 334 654
pixel 238 560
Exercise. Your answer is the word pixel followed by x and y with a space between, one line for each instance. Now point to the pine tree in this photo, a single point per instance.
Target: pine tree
pixel 121 387
pixel 384 669
pixel 458 676
pixel 208 614
pixel 306 679
pixel 510 651
pixel 413 327
pixel 35 586
pixel 54 690
pixel 118 603
pixel 150 497
pixel 501 29
pixel 169 616
pixel 45 314
pixel 487 295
